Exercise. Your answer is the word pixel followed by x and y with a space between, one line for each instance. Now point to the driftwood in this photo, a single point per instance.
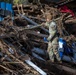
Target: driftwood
pixel 71 21
pixel 21 63
pixel 25 33
pixel 29 69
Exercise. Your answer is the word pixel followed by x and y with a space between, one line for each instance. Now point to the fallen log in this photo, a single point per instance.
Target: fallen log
pixel 67 69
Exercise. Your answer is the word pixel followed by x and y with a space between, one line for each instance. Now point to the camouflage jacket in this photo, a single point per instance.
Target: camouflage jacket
pixel 52 29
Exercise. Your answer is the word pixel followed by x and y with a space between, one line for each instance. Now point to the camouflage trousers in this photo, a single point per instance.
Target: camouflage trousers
pixel 53 50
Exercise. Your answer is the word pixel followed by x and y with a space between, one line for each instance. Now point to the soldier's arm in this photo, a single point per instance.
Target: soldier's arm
pixel 45 24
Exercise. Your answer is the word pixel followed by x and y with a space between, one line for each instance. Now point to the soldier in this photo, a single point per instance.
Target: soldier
pixel 53 38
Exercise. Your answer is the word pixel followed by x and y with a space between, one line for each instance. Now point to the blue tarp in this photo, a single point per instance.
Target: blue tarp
pixel 5 6
pixel 2 6
pixel 9 7
pixel 65 50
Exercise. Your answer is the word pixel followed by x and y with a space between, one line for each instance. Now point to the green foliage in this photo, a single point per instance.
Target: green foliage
pixel 15 1
pixel 20 1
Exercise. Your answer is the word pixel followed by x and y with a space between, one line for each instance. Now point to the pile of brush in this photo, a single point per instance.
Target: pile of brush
pixel 23 41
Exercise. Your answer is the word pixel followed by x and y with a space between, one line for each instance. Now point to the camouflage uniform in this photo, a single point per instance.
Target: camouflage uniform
pixel 53 41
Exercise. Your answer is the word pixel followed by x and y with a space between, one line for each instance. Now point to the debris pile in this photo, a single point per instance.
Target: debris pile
pixel 23 44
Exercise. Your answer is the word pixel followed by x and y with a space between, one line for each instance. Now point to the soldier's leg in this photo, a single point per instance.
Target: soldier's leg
pixel 55 50
pixel 50 51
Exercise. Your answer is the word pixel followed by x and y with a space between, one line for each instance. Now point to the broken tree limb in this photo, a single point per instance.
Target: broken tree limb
pixel 34 23
pixel 33 27
pixel 7 69
pixel 71 21
pixel 11 62
pixel 37 18
pixel 63 2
